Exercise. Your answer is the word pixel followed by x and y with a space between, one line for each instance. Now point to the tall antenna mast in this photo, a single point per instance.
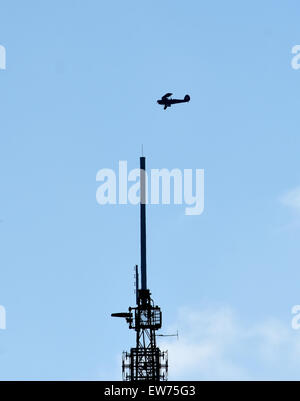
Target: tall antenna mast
pixel 145 361
pixel 143 223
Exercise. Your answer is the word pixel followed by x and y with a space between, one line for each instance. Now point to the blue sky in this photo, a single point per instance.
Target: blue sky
pixel 79 94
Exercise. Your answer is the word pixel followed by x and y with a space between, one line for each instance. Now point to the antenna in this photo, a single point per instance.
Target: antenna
pixel 169 335
pixel 145 361
pixel 137 283
pixel 143 222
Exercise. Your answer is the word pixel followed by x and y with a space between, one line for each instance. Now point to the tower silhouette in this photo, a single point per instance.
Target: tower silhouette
pixel 145 361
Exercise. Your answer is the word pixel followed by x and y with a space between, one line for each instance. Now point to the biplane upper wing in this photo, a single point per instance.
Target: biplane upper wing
pixel 166 96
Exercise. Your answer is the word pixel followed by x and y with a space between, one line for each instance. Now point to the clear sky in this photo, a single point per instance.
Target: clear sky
pixel 78 95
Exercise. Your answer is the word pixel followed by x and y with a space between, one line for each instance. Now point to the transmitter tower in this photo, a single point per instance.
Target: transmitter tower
pixel 145 361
